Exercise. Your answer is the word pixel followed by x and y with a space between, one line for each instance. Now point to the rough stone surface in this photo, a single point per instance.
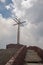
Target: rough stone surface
pixel 18 58
pixel 32 56
pixel 33 64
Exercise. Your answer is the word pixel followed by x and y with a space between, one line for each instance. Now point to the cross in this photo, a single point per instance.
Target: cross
pixel 18 31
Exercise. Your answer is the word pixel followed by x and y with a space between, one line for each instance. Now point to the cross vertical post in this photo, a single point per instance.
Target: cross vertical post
pixel 18 29
pixel 18 34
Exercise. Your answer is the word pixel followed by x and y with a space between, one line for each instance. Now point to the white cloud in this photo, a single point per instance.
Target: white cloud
pixel 7 31
pixel 4 25
pixel 26 4
pixel 32 35
pixel 8 7
pixel 18 12
pixel 2 1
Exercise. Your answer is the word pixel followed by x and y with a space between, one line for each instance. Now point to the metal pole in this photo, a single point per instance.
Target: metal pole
pixel 18 34
pixel 18 30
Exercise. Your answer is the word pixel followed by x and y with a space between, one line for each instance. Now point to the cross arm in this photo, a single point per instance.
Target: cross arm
pixel 23 22
pixel 14 24
pixel 15 21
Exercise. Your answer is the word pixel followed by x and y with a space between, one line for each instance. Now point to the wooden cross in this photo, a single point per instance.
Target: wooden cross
pixel 18 31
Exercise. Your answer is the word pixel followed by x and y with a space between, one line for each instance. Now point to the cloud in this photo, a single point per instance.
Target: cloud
pixel 26 4
pixel 32 12
pixel 2 1
pixel 36 13
pixel 7 31
pixel 6 8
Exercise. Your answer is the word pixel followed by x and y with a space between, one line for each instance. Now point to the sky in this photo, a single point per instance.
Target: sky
pixel 31 11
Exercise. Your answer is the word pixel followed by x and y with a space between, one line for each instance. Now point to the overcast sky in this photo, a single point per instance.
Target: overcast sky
pixel 29 10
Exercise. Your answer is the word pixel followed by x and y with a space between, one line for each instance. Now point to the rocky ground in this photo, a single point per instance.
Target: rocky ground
pixel 6 54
